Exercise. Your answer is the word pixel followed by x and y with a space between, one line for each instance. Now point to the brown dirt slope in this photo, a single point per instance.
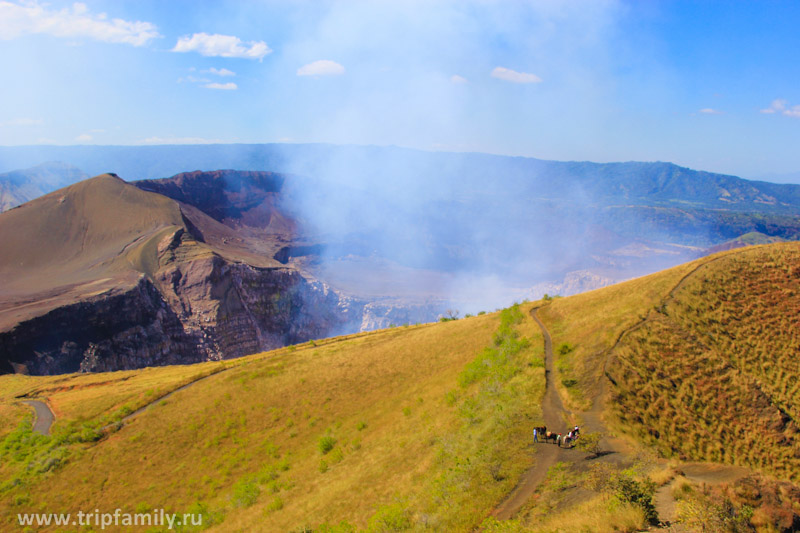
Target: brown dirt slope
pixel 74 242
pixel 103 275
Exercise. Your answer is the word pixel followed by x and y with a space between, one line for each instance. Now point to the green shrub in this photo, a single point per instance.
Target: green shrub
pixel 639 493
pixel 564 348
pixel 276 504
pixel 361 426
pixel 245 493
pixel 589 442
pixel 326 444
pixel 337 455
pixel 390 518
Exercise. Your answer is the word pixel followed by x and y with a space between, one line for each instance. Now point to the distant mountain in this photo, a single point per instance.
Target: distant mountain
pixel 648 183
pixel 20 186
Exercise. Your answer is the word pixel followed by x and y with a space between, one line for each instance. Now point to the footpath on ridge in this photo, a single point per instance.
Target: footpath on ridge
pixel 556 420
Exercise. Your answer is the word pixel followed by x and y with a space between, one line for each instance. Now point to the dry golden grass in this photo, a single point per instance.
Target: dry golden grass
pixel 662 475
pixel 79 398
pixel 244 444
pixel 597 515
pixel 713 374
pixel 590 323
pixel 428 426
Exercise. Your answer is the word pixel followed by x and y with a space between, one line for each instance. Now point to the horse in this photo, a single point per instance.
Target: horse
pixel 550 435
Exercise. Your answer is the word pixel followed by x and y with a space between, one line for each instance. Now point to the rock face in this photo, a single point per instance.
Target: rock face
pixel 131 329
pixel 209 311
pixel 117 293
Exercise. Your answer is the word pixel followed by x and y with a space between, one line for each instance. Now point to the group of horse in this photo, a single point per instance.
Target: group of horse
pixel 567 440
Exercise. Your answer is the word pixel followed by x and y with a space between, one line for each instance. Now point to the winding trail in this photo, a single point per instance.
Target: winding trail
pixel 555 418
pixel 162 398
pixel 44 416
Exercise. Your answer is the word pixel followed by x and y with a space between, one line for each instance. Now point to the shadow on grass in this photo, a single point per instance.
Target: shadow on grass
pixel 600 454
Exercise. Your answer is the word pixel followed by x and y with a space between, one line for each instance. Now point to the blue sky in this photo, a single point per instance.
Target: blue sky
pixel 709 85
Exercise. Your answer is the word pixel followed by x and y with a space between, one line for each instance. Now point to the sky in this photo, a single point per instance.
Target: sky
pixel 708 85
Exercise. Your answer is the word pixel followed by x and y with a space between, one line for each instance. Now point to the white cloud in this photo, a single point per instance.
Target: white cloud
pixel 220 72
pixel 794 112
pixel 776 105
pixel 782 106
pixel 23 121
pixel 32 18
pixel 179 140
pixel 322 67
pixel 83 138
pixel 455 78
pixel 230 86
pixel 710 111
pixel 506 74
pixel 217 45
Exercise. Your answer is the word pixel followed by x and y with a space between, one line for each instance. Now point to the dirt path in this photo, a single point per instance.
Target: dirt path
pixel 557 418
pixel 547 455
pixel 44 416
pixel 162 398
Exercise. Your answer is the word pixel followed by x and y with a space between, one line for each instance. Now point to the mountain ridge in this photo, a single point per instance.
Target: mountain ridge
pixel 106 250
pixel 662 178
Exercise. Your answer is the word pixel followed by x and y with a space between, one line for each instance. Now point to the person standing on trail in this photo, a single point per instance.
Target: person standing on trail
pixel 535 435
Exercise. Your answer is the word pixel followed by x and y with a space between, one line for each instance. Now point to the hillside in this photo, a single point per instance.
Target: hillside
pixel 429 426
pixel 362 428
pixel 716 351
pixel 104 276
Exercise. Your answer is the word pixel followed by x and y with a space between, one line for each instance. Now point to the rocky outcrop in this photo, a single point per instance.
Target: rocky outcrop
pixel 210 310
pixel 378 315
pixel 131 329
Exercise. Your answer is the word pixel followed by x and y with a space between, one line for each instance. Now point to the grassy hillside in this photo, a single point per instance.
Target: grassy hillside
pixel 414 424
pixel 713 373
pixel 706 367
pixel 427 427
pixel 702 357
